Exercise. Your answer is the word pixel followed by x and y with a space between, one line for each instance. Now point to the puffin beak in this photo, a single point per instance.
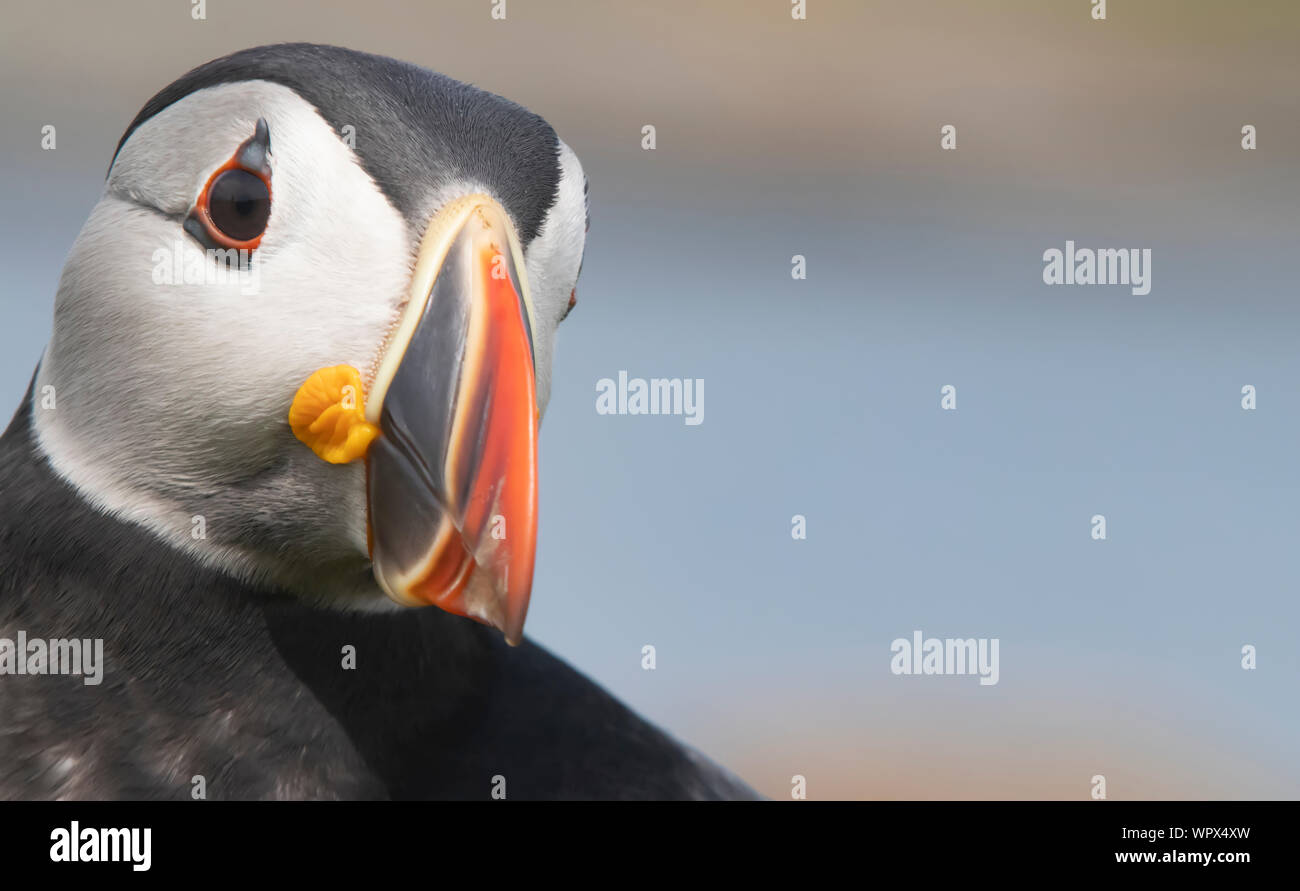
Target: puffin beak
pixel 452 477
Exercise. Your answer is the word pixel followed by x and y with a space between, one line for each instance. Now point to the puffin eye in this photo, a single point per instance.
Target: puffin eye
pixel 235 205
pixel 573 301
pixel 239 204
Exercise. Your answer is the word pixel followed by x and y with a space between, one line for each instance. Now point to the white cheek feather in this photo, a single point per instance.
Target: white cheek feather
pixel 553 259
pixel 172 398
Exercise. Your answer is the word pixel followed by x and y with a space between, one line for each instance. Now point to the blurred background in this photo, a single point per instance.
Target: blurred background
pixel 778 137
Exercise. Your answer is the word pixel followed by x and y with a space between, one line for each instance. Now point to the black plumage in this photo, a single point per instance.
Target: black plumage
pixel 205 676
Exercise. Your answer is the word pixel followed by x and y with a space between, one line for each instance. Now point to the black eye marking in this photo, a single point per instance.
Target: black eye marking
pixel 255 153
pixel 234 207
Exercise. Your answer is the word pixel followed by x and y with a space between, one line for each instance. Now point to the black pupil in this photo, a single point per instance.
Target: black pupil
pixel 239 204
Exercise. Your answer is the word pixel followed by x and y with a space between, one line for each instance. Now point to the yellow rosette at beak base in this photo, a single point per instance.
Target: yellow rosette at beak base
pixel 328 415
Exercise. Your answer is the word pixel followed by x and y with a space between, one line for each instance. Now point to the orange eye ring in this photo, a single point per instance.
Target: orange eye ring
pixel 242 189
pixel 203 208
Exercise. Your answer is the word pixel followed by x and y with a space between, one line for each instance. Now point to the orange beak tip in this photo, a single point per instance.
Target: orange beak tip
pixel 452 483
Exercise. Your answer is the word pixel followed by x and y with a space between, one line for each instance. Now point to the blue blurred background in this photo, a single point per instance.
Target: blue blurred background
pixel 821 138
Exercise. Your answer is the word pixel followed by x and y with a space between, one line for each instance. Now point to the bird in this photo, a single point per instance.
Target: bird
pixel 279 458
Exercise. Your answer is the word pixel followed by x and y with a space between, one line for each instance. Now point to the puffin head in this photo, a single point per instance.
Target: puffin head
pixel 306 333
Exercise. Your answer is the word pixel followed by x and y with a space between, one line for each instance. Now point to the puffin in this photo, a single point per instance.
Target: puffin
pixel 279 459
